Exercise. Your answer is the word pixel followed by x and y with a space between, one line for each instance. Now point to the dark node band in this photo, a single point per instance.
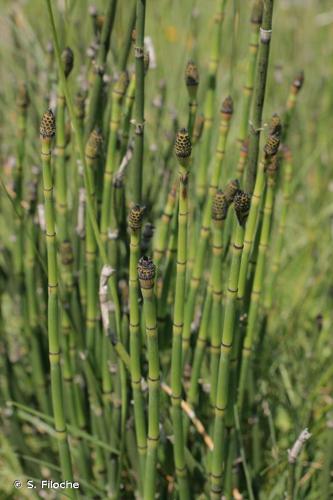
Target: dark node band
pixel 178 325
pixel 156 439
pixel 238 247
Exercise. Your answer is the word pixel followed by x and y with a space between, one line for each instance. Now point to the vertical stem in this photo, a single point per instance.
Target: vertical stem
pixel 162 230
pixel 259 93
pixel 210 99
pixel 118 93
pixel 256 19
pixel 256 291
pixel 226 113
pixel 147 288
pixel 135 337
pixel 278 246
pixel 183 151
pixel 222 391
pixel 95 109
pixel 137 164
pixel 217 249
pixel 123 59
pixel 47 131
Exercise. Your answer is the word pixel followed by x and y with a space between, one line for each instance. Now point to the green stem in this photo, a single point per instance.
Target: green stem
pixel 90 205
pixel 252 326
pixel 137 163
pixel 216 271
pixel 153 388
pixel 177 330
pixel 222 391
pixel 162 231
pixel 278 246
pixel 94 113
pixel 204 231
pixel 251 228
pixel 259 93
pixel 135 352
pixel 53 321
pixel 215 53
pixel 250 78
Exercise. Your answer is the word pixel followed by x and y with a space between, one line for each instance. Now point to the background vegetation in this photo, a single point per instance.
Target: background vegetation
pixel 293 379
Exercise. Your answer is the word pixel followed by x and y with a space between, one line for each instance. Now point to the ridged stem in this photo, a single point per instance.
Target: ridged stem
pixel 259 93
pixel 137 163
pixel 135 352
pixel 252 325
pixel 251 226
pixel 222 390
pixel 91 265
pixel 214 59
pixel 177 330
pixel 204 233
pixel 95 108
pixel 90 204
pixel 278 245
pixel 200 347
pixel 34 321
pixel 110 165
pixel 250 79
pixel 149 301
pixel 162 231
pixel 126 47
pixel 127 113
pixel 53 322
pixel 192 112
pixel 216 271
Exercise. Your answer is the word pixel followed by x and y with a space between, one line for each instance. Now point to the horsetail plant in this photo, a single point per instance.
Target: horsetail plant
pixel 163 226
pixel 22 103
pixel 259 93
pixel 142 401
pixel 213 296
pixel 226 114
pixel 135 223
pixel 192 82
pixel 251 330
pixel 242 206
pixel 219 214
pixel 209 103
pixel 146 273
pixel 118 92
pixel 295 88
pixel 94 110
pixel 256 20
pixel 183 150
pixel 92 153
pixel 137 164
pixel 270 150
pixel 278 246
pixel 47 132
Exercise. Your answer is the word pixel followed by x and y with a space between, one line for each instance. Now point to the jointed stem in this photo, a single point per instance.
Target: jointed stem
pixel 259 93
pixel 252 327
pixel 222 391
pixel 147 289
pixel 135 347
pixel 205 227
pixel 53 324
pixel 176 360
pixel 137 165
